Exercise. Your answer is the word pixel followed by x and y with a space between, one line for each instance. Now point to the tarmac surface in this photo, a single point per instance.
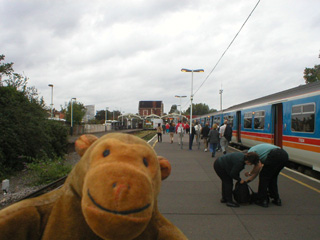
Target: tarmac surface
pixel 190 198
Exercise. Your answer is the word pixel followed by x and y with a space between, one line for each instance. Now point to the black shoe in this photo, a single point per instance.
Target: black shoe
pixel 263 203
pixel 232 204
pixel 223 200
pixel 277 201
pixel 224 152
pixel 212 155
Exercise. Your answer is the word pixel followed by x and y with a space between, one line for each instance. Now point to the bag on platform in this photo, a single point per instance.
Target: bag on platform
pixel 243 193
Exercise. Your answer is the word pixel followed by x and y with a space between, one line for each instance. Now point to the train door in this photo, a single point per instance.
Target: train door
pixel 277 110
pixel 238 126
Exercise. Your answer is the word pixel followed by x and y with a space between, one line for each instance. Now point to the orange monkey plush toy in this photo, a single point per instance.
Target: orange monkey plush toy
pixel 110 194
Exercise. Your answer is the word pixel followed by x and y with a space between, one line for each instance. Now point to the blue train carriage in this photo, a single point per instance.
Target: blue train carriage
pixel 301 128
pixel 289 119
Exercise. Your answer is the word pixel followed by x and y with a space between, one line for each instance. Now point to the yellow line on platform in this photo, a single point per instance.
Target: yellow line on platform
pixel 302 183
pixel 154 144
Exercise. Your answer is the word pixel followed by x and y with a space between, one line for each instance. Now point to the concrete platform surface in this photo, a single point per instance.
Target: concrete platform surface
pixel 190 198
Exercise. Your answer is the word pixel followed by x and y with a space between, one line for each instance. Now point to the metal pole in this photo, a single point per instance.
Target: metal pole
pixel 220 91
pixel 71 117
pixel 191 99
pixel 51 85
pixel 106 119
pixel 71 132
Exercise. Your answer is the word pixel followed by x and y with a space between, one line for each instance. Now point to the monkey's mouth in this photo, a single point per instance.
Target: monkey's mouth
pixel 125 212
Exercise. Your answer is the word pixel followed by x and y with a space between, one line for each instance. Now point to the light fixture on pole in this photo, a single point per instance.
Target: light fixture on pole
pixel 71 130
pixel 220 92
pixel 191 97
pixel 51 85
pixel 177 96
pixel 106 119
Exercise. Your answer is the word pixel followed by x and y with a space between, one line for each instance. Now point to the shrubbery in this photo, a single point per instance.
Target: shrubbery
pixel 25 131
pixel 47 170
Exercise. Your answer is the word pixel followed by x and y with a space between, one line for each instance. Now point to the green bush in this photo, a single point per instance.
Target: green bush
pixel 45 171
pixel 25 131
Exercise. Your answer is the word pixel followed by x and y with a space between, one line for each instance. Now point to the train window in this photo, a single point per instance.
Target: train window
pixel 248 120
pixel 217 120
pixel 230 120
pixel 259 120
pixel 303 118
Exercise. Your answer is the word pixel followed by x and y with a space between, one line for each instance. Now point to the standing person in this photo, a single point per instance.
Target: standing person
pixel 192 133
pixel 228 133
pixel 180 129
pixel 159 132
pixel 213 139
pixel 228 167
pixel 273 160
pixel 172 130
pixel 187 128
pixel 163 128
pixel 223 140
pixel 204 132
pixel 167 127
pixel 197 127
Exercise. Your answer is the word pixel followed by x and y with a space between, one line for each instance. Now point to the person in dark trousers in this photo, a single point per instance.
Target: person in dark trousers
pixel 159 132
pixel 228 167
pixel 204 132
pixel 172 130
pixel 228 133
pixel 272 160
pixel 213 139
pixel 163 129
pixel 191 137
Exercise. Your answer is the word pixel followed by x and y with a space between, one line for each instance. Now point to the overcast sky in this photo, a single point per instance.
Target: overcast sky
pixel 115 53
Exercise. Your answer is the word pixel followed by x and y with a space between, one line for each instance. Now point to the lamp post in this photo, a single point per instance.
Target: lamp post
pixel 191 97
pixel 71 130
pixel 177 96
pixel 106 119
pixel 220 92
pixel 51 85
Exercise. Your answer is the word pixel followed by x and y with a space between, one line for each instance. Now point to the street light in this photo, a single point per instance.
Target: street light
pixel 191 97
pixel 51 85
pixel 71 130
pixel 220 92
pixel 106 118
pixel 177 96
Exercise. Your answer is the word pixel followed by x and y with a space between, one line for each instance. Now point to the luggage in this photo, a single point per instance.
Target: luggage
pixel 243 193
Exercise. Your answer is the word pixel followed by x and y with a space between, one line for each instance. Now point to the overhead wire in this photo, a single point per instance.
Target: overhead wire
pixel 227 48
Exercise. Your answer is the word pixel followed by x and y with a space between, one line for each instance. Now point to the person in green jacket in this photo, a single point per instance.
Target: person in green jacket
pixel 228 167
pixel 273 159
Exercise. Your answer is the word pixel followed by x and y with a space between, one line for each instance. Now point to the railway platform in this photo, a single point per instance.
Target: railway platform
pixel 190 198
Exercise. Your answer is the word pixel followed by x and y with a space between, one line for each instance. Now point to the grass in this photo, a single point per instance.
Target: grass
pixel 46 170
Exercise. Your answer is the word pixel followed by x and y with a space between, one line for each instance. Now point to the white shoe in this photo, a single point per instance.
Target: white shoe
pixel 206 150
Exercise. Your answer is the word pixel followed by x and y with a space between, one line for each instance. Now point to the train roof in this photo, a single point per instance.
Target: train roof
pixel 296 92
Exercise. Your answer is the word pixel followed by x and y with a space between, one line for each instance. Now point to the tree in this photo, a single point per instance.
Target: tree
pixel 5 68
pixel 25 131
pixel 101 115
pixel 199 109
pixel 78 112
pixel 312 74
pixel 173 109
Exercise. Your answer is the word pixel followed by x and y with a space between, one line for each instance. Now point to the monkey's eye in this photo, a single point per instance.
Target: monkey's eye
pixel 106 152
pixel 145 162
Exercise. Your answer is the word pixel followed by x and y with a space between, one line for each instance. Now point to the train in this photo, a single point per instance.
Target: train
pixel 289 119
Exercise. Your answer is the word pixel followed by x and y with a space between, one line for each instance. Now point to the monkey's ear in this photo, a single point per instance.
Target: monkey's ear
pixel 165 167
pixel 84 142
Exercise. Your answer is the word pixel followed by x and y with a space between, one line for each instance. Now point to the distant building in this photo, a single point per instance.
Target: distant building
pixel 150 107
pixel 90 113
